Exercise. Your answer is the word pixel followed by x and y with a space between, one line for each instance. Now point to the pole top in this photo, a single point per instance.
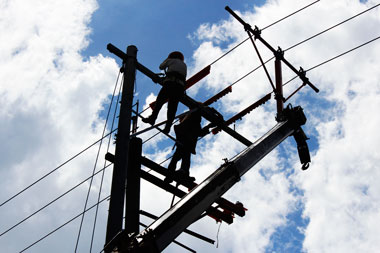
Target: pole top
pixel 132 51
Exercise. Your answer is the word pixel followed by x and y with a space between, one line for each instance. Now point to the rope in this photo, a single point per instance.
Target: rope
pixel 96 162
pixel 102 179
pixel 217 235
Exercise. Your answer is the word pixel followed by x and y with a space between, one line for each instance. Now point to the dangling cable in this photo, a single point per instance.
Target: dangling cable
pixel 217 235
pixel 101 182
pixel 96 161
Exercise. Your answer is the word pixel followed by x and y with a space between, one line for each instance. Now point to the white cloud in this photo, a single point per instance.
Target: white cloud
pixel 339 188
pixel 50 100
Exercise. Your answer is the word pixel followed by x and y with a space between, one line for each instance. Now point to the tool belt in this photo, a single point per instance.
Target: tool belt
pixel 175 77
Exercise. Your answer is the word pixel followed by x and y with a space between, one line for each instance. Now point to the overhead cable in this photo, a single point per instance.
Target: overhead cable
pixel 51 202
pixel 334 26
pixel 299 43
pixel 102 179
pixel 229 51
pixel 335 57
pixel 69 221
pixel 290 15
pixel 49 173
pixel 96 161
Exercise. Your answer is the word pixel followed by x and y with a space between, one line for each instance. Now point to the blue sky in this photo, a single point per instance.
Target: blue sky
pixel 57 78
pixel 156 28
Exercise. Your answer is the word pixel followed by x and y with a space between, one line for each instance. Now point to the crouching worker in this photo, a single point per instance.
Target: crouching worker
pixel 172 89
pixel 187 133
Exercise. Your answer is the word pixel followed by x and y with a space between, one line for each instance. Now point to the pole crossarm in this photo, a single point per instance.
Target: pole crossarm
pixel 223 203
pixel 257 34
pixel 207 112
pixel 164 230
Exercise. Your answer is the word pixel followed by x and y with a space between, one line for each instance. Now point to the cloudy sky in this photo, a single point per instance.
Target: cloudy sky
pixel 57 79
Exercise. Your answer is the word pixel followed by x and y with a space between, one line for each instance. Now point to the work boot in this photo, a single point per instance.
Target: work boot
pixel 169 177
pixel 166 130
pixel 150 120
pixel 182 173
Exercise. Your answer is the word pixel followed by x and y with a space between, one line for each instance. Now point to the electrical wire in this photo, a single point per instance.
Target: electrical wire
pixel 332 27
pixel 101 181
pixel 69 221
pixel 240 43
pixel 290 15
pixel 49 173
pixel 299 43
pixel 335 57
pixel 96 161
pixel 51 202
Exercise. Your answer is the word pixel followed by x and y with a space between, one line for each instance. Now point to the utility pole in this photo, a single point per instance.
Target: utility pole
pixel 116 207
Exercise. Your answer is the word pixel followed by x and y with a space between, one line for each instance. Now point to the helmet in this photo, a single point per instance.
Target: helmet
pixel 176 55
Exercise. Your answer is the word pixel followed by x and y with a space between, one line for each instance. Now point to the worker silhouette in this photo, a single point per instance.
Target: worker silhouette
pixel 187 133
pixel 172 89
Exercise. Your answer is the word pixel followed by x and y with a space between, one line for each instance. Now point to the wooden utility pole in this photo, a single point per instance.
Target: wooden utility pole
pixel 116 207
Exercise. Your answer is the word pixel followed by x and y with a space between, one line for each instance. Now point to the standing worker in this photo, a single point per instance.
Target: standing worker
pixel 172 89
pixel 187 133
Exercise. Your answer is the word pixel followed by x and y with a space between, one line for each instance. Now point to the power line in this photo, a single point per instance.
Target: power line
pixel 55 230
pixel 290 15
pixel 96 160
pixel 229 51
pixel 299 43
pixel 101 181
pixel 49 173
pixel 334 26
pixel 335 57
pixel 348 51
pixel 240 43
pixel 51 202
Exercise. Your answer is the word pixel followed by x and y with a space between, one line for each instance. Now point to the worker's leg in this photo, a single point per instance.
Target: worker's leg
pixel 185 164
pixel 175 94
pixel 162 97
pixel 172 165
